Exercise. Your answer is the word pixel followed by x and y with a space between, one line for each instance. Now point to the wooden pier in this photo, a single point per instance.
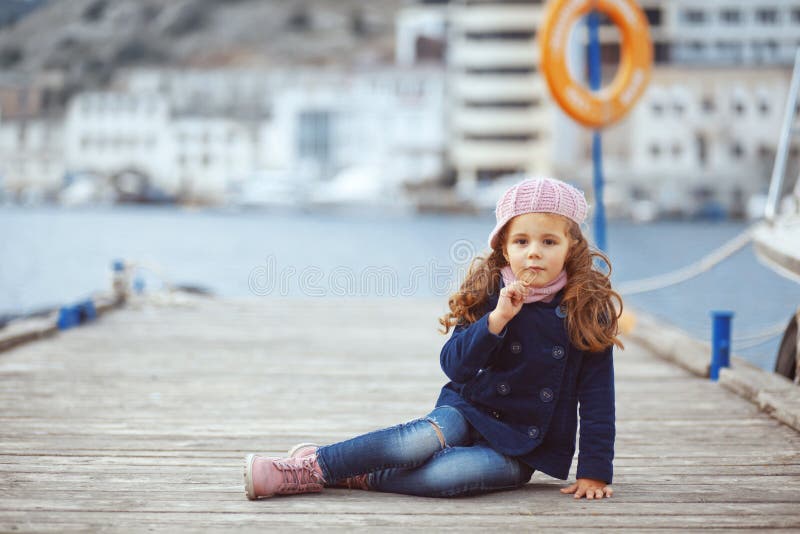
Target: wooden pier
pixel 140 421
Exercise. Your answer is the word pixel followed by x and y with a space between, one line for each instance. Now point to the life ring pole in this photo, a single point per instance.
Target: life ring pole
pixel 595 80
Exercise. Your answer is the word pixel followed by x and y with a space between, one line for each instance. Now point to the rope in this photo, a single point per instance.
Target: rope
pixel 703 265
pixel 690 271
pixel 152 268
pixel 766 333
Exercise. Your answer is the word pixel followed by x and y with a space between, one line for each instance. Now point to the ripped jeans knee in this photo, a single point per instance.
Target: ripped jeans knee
pixel 451 427
pixel 406 445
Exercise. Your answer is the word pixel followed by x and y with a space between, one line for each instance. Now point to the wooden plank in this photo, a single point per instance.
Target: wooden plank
pixel 141 421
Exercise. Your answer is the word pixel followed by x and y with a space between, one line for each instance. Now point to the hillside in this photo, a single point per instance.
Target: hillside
pixel 90 39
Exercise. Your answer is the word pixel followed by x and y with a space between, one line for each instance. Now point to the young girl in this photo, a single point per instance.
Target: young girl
pixel 535 324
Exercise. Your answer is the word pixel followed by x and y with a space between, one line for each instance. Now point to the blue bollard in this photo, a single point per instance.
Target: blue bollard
pixel 87 311
pixel 720 342
pixel 68 317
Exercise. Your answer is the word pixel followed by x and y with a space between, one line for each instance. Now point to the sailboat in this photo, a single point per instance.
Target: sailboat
pixel 776 239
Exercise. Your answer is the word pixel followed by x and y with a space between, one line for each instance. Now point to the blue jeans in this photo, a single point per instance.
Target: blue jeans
pixel 440 455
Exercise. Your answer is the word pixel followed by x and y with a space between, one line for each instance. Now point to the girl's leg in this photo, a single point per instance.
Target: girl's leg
pixel 455 471
pixel 403 446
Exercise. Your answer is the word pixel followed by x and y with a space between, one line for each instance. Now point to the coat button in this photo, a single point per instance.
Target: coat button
pixel 495 414
pixel 546 395
pixel 558 352
pixel 561 311
pixel 503 388
pixel 516 347
pixel 533 432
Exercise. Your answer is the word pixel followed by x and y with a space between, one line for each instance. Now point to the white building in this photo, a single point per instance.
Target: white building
pixel 698 135
pixel 31 157
pixel 189 139
pixel 211 155
pixel 31 136
pixel 114 133
pixel 389 119
pixel 721 32
pixel 500 117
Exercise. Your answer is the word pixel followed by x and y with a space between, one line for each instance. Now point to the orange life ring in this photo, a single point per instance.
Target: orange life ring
pixel 609 104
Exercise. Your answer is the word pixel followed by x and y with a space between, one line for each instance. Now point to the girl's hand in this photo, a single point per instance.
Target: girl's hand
pixel 508 305
pixel 512 297
pixel 590 488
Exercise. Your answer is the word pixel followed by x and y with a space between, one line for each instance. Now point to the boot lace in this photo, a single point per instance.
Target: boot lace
pixel 300 475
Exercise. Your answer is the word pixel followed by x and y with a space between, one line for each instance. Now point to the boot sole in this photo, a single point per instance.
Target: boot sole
pixel 248 477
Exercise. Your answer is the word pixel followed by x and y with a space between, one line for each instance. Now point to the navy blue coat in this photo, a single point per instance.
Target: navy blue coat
pixel 521 390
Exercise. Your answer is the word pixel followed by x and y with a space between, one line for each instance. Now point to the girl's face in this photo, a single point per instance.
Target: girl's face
pixel 539 242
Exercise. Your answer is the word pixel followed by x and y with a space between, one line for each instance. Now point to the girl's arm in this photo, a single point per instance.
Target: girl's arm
pixel 597 416
pixel 468 350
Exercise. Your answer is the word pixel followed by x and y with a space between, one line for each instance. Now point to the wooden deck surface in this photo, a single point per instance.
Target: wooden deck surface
pixel 140 421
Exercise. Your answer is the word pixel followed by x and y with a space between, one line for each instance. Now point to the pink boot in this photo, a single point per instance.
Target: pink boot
pixel 265 477
pixel 302 450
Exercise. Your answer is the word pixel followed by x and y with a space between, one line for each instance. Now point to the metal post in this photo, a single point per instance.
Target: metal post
pixel 779 168
pixel 68 317
pixel 720 342
pixel 119 281
pixel 597 145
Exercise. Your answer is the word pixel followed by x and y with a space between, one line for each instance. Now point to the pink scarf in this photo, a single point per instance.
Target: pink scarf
pixel 535 294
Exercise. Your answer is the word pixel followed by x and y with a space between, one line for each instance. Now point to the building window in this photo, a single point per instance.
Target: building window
pixel 731 16
pixel 653 15
pixel 314 135
pixel 501 36
pixel 796 16
pixel 738 107
pixel 661 52
pixel 767 16
pixel 697 48
pixel 676 150
pixel 702 149
pixel 679 108
pixel 708 104
pixel 730 50
pixel 694 16
pixel 655 150
pixel 657 108
pixel 503 104
pixel 772 46
pixel 763 107
pixel 737 151
pixel 502 138
pixel 501 71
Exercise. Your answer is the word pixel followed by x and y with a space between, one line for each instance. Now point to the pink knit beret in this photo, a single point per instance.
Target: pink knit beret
pixel 539 195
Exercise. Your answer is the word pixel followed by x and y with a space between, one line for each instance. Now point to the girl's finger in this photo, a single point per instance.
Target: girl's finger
pixel 570 489
pixel 527 277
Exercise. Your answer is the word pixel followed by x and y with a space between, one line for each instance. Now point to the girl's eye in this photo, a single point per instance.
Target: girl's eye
pixel 521 241
pixel 549 242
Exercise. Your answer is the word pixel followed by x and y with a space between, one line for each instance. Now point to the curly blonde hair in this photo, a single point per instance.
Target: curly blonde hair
pixel 593 308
